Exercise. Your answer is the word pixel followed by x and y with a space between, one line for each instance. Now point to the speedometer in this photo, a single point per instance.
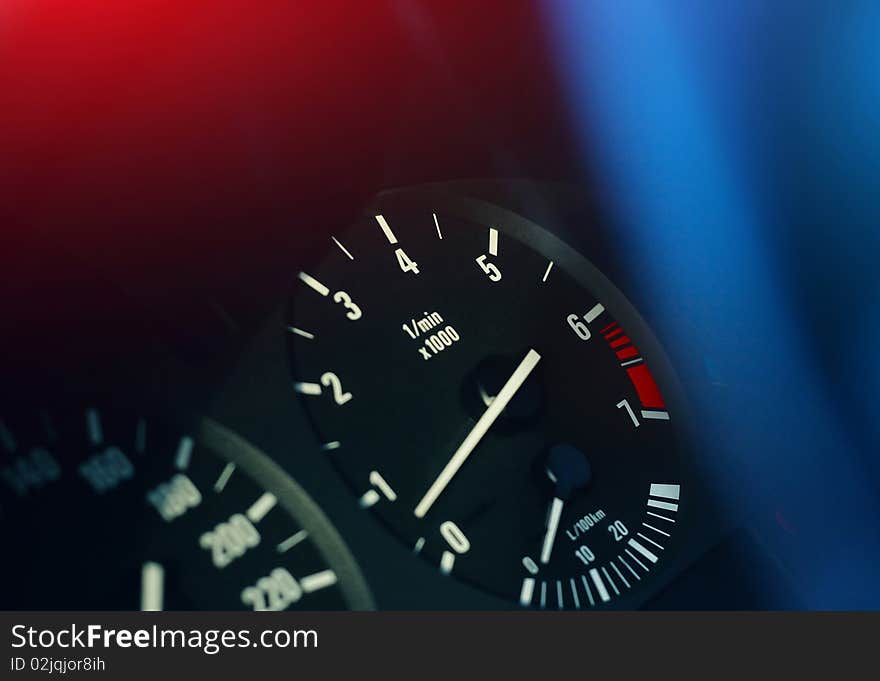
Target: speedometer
pixel 113 509
pixel 496 401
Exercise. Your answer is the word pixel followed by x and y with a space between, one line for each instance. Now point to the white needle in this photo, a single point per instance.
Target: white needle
pixel 493 411
pixel 552 527
pixel 152 586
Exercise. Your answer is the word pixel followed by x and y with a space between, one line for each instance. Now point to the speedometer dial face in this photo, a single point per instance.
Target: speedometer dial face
pixel 110 509
pixel 495 401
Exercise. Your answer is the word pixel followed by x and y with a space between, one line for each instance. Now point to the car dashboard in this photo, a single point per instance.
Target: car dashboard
pixel 407 306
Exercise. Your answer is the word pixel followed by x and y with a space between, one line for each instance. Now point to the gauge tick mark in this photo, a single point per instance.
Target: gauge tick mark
pixel 530 565
pixel 600 586
pixel 307 388
pixel 152 586
pixel 665 505
pixel 225 474
pixel 588 591
pixel 493 242
pixel 665 491
pixel 610 581
pixel 627 565
pixel 184 453
pixel 649 540
pixel 574 594
pixel 643 550
pixel 386 229
pixel 594 312
pixel 301 332
pixel 93 423
pixel 342 248
pixel 292 541
pixel 527 592
pixel 314 284
pixel 620 574
pixel 261 507
pixel 447 561
pixel 638 562
pixel 317 581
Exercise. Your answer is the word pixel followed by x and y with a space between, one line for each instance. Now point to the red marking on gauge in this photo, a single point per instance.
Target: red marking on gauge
pixel 623 340
pixel 646 387
pixel 612 334
pixel 626 353
pixel 609 327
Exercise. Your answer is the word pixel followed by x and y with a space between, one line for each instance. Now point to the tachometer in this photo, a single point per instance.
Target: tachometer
pixel 496 401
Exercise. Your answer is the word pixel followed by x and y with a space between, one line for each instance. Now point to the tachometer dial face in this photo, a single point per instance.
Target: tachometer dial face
pixel 496 401
pixel 112 510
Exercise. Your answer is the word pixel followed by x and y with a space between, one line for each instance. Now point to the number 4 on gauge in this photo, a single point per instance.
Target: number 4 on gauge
pixel 405 262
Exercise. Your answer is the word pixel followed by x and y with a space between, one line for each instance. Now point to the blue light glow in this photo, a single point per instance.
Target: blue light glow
pixel 669 101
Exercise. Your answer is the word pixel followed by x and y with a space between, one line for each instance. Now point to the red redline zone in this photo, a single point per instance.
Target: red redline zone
pixel 640 375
